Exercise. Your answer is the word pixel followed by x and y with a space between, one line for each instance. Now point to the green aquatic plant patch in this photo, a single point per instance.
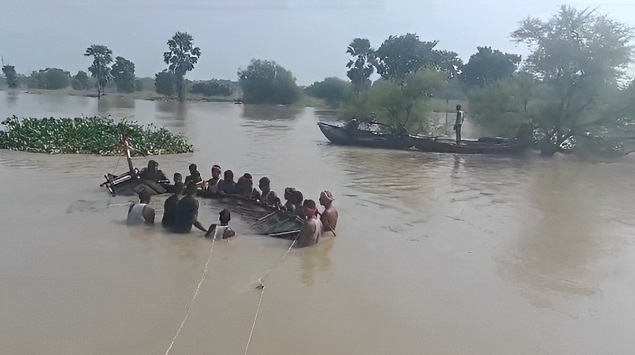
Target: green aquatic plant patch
pixel 87 135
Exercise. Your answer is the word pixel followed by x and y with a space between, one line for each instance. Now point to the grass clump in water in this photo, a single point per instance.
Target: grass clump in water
pixel 87 135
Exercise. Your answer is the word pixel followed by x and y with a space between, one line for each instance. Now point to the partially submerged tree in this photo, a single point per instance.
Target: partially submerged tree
pixel 576 54
pixel 124 75
pixel 80 81
pixel 10 75
pixel 181 57
pixel 393 103
pixel 332 90
pixel 504 106
pixel 265 81
pixel 49 78
pixel 164 83
pixel 212 88
pixel 100 70
pixel 361 65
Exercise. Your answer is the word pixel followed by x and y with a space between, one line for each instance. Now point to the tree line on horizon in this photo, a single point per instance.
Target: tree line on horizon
pixel 572 84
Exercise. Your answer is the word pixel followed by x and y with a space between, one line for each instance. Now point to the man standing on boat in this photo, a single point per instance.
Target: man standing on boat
pixel 460 117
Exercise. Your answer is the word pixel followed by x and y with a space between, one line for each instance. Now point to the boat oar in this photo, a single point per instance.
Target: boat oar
pixel 267 216
pixel 328 225
pixel 331 229
pixel 282 233
pixel 259 220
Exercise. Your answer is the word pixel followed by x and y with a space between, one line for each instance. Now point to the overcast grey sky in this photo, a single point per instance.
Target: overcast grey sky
pixel 309 37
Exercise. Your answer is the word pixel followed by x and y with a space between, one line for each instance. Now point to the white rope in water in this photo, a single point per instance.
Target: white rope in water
pixel 261 286
pixel 189 308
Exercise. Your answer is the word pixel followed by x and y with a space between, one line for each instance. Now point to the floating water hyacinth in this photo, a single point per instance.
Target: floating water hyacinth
pixel 87 135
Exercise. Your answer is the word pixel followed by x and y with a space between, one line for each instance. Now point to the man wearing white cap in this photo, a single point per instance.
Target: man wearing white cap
pixel 329 215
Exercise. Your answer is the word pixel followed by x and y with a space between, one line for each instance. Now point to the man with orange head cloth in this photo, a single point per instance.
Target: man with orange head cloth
pixel 329 215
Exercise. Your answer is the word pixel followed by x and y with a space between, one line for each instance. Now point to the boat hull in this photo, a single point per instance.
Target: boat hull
pixel 471 147
pixel 129 184
pixel 339 135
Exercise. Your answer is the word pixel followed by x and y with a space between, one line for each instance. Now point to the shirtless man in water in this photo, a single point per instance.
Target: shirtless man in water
pixel 329 215
pixel 312 227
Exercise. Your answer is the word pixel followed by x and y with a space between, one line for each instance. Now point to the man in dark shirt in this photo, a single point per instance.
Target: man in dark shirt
pixel 194 176
pixel 187 212
pixel 170 205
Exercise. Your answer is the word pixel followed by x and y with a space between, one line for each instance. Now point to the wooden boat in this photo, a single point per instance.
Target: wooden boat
pixel 338 134
pixel 267 220
pixel 129 183
pixel 485 145
pixel 278 225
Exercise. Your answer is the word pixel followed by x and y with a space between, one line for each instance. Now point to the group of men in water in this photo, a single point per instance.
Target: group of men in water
pixel 180 212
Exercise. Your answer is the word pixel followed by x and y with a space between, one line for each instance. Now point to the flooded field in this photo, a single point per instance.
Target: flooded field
pixel 434 254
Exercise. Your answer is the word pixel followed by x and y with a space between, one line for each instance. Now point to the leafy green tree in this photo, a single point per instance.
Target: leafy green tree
pixel 100 70
pixel 400 56
pixel 487 66
pixel 10 75
pixel 164 83
pixel 576 54
pixel 181 59
pixel 49 78
pixel 144 84
pixel 80 81
pixel 362 64
pixel 265 81
pixel 446 62
pixel 36 80
pixel 506 105
pixel 211 88
pixel 394 103
pixel 56 78
pixel 123 74
pixel 332 90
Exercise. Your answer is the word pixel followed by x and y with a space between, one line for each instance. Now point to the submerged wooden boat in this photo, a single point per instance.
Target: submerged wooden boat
pixel 485 145
pixel 279 225
pixel 131 182
pixel 267 220
pixel 338 134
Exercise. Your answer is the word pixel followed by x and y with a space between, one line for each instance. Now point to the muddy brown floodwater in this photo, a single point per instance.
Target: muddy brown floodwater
pixel 434 254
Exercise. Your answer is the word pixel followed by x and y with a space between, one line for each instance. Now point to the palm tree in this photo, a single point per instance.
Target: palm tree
pixel 361 66
pixel 99 69
pixel 181 58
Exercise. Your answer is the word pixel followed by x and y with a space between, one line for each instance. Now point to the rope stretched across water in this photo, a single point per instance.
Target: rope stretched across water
pixel 261 286
pixel 189 308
